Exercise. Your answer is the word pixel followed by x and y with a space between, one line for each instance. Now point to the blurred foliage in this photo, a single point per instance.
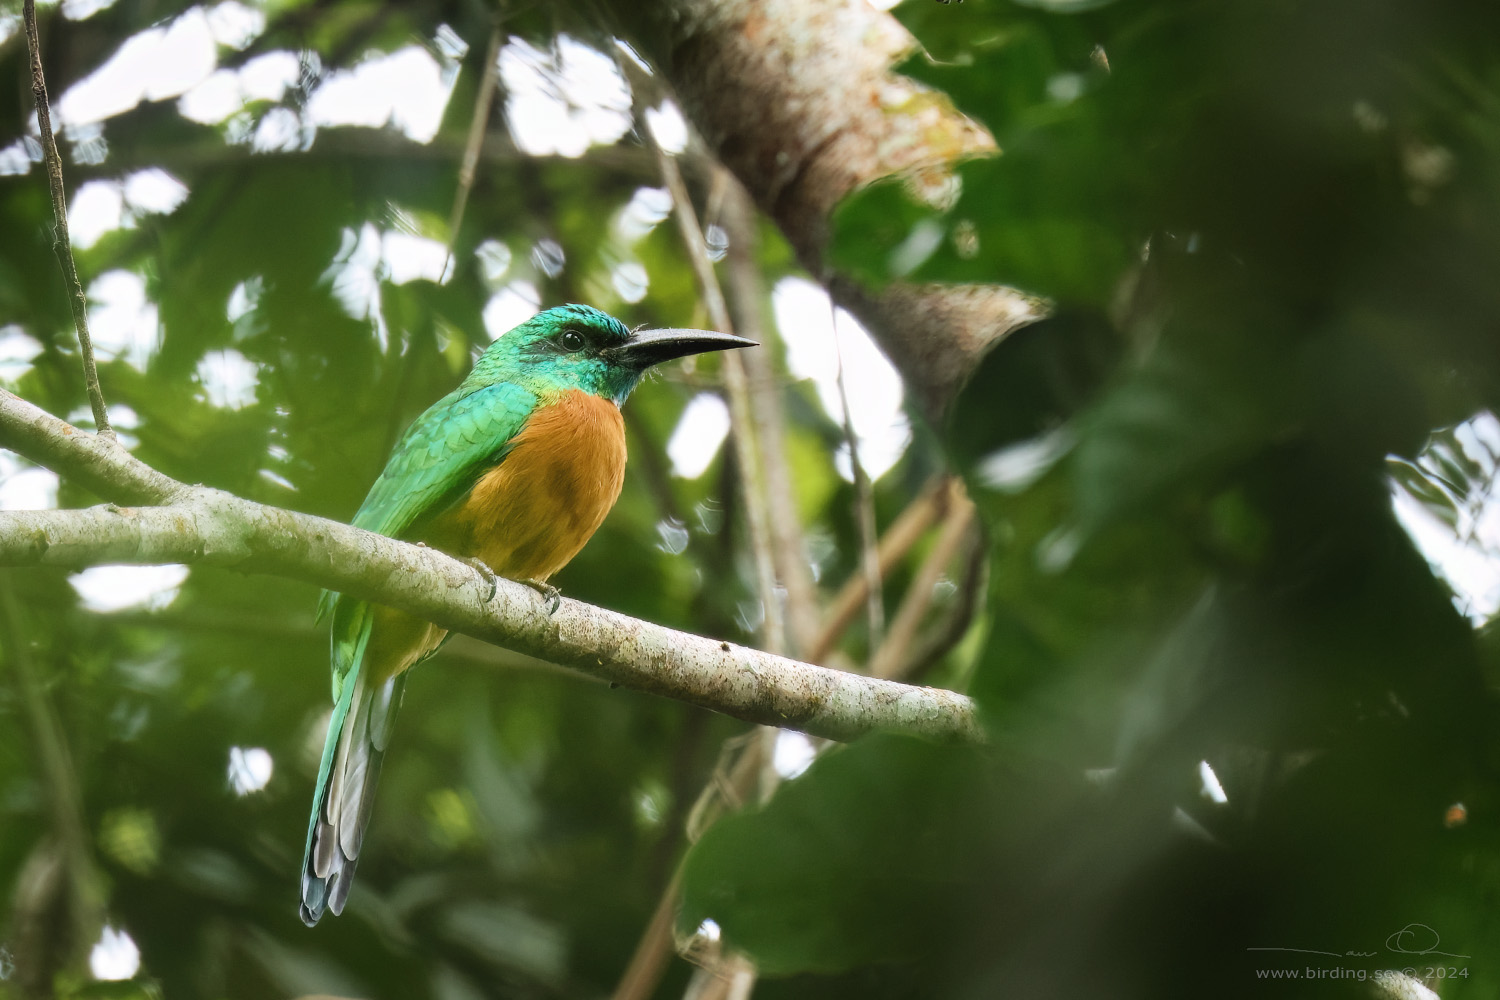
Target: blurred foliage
pixel 1269 234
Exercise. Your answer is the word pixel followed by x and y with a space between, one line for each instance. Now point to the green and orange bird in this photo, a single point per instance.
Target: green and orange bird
pixel 515 468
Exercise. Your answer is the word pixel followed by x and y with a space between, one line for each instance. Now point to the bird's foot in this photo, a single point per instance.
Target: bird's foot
pixel 551 593
pixel 488 574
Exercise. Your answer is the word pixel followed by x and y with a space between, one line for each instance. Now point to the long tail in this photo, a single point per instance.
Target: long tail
pixel 358 733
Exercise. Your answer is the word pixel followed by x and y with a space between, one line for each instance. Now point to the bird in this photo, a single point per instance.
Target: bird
pixel 514 470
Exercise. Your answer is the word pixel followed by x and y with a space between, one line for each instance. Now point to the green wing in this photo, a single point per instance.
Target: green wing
pixel 442 454
pixel 438 460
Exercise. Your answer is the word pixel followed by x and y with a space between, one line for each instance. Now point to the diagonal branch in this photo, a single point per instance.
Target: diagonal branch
pixel 894 652
pixel 484 99
pixel 208 526
pixel 904 532
pixel 61 245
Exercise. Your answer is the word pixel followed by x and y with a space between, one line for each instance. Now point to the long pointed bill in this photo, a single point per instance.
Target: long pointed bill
pixel 651 347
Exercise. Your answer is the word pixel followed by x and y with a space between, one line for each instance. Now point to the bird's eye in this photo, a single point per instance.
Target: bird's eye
pixel 572 341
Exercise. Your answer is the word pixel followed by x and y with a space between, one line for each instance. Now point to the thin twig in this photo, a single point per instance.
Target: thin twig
pixel 899 537
pixel 864 498
pixel 467 170
pixel 943 636
pixel 62 246
pixel 737 975
pixel 893 653
pixel 732 787
pixel 730 977
pixel 483 101
pixel 649 961
pixel 736 386
pixel 747 295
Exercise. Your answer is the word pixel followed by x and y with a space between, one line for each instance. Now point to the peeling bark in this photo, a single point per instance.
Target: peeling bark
pixel 797 98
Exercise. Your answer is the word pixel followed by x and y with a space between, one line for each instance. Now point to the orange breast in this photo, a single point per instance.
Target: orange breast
pixel 526 517
pixel 530 514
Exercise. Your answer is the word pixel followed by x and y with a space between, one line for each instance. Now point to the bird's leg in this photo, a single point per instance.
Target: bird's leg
pixel 551 593
pixel 486 572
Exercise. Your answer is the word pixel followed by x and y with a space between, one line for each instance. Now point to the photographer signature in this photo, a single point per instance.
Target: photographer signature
pixel 1413 939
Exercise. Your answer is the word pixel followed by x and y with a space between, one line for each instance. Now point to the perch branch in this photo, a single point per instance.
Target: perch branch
pixel 207 526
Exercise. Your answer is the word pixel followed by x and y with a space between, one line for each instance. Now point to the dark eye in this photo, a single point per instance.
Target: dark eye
pixel 572 341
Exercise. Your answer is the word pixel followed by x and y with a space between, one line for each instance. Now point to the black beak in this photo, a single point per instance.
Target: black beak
pixel 651 347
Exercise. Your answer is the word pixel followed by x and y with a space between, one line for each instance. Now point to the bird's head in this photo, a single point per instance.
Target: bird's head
pixel 580 347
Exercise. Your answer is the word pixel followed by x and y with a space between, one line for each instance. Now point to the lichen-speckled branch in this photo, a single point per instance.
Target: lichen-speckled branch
pixel 195 524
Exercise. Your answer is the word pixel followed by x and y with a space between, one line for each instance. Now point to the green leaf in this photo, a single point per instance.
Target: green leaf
pixel 854 862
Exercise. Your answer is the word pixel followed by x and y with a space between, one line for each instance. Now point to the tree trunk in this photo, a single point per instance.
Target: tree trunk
pixel 797 98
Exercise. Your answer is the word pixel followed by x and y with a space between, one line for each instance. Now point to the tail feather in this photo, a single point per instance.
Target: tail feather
pixel 348 768
pixel 358 733
pixel 383 713
pixel 317 859
pixel 360 771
